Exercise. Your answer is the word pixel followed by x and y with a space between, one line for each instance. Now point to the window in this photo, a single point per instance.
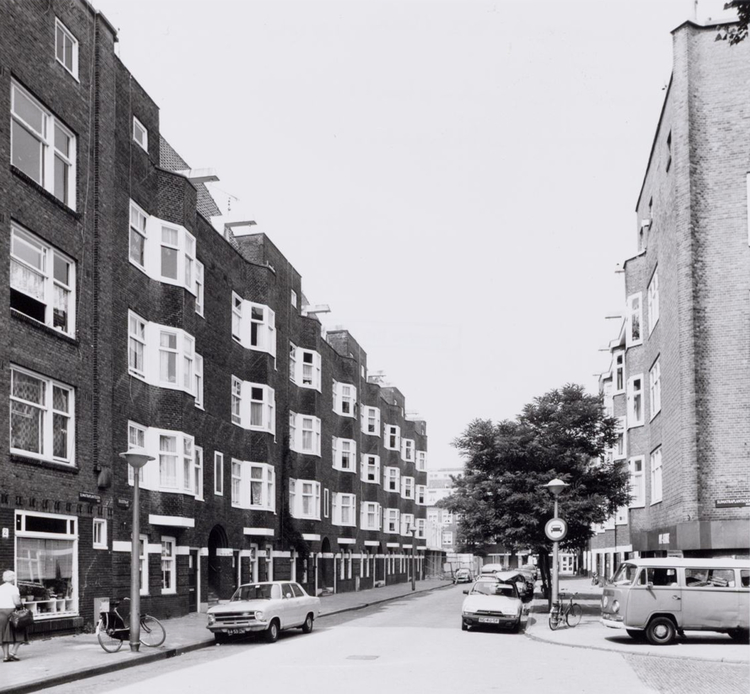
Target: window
pixel 236 482
pixel 421 527
pixel 654 380
pixel 407 521
pixel 344 453
pixel 218 473
pixel 262 481
pixel 304 499
pixel 407 487
pixel 42 281
pixel 344 507
pixel 42 147
pixel 136 439
pixel 391 520
pixel 370 515
pixel 637 482
pixel 176 359
pixel 635 401
pixel 326 503
pixel 66 48
pixel 421 460
pixel 392 435
pixel 198 471
pixel 46 563
pixel 619 358
pixel 344 399
pixel 199 381
pixel 634 319
pixel 168 565
pixel 138 235
pixel 656 476
pixel 447 539
pixel 253 325
pixel 199 287
pixel 304 433
pixel 294 298
pixel 143 564
pixel 371 468
pixel 253 406
pixel 618 451
pixel 421 494
pixel 140 134
pixel 370 420
pixel 392 479
pixel 713 578
pixel 236 316
pixel 100 533
pixel 653 302
pixel 304 367
pixel 408 450
pixel 41 417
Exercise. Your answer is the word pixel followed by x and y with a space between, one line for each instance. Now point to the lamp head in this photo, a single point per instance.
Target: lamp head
pixel 136 457
pixel 556 486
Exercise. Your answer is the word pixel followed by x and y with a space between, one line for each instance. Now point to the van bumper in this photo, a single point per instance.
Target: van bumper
pixel 611 623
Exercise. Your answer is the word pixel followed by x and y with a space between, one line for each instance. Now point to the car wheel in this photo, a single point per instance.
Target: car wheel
pixel 464 626
pixel 660 631
pixel 307 627
pixel 741 635
pixel 272 633
pixel 220 638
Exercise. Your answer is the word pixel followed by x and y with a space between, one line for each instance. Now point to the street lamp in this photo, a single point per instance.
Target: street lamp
pixel 136 457
pixel 412 530
pixel 555 486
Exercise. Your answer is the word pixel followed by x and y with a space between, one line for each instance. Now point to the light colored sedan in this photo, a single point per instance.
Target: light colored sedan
pixel 268 607
pixel 491 603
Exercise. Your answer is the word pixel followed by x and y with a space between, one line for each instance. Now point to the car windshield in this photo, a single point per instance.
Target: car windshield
pixel 625 575
pixel 261 591
pixel 488 588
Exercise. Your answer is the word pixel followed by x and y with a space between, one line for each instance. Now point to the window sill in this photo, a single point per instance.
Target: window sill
pixel 27 179
pixel 658 501
pixel 43 462
pixel 18 315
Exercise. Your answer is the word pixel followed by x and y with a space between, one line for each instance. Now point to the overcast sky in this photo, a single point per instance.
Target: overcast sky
pixel 457 180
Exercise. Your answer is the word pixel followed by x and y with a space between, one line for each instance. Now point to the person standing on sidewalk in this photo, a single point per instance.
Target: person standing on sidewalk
pixel 10 599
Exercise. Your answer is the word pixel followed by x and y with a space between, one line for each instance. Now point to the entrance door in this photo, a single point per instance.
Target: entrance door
pixel 193 581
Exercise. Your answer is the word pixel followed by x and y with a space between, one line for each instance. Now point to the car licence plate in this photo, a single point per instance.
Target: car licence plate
pixel 489 620
pixel 234 632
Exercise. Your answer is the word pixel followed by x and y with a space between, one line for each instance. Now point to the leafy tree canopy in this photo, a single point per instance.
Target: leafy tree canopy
pixel 501 497
pixel 737 32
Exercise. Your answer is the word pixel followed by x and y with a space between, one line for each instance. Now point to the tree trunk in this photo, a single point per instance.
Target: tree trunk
pixel 544 568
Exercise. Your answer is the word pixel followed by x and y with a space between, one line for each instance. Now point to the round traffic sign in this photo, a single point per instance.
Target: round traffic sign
pixel 556 529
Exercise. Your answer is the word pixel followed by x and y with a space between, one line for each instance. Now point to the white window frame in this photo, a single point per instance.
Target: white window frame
pixel 218 473
pixel 136 439
pixel 200 288
pixel 198 470
pixel 140 134
pixel 236 407
pixel 421 528
pixel 420 495
pixel 407 487
pixel 168 560
pixel 370 420
pixel 652 301
pixel 326 503
pixel 406 521
pixel 657 475
pixel 49 153
pixel 408 450
pixel 305 368
pixel 293 298
pixel 370 515
pixel 198 376
pixel 618 359
pixel 304 493
pixel 370 468
pixel 63 38
pixel 48 259
pixel 635 401
pixel 421 460
pixel 237 316
pixel 174 466
pixel 99 533
pixel 634 330
pixel 344 503
pixel 300 425
pixel 251 399
pixel 253 325
pixel 392 437
pixel 344 399
pixel 392 479
pixel 637 470
pixel 236 482
pixel 619 451
pixel 344 454
pixel 654 382
pixel 138 231
pixel 47 412
pixel 391 521
pixel 265 475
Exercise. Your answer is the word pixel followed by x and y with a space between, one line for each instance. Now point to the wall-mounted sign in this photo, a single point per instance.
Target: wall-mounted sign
pixel 123 503
pixel 86 496
pixel 556 529
pixel 732 503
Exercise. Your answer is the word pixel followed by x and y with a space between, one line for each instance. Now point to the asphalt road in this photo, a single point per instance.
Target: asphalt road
pixel 413 645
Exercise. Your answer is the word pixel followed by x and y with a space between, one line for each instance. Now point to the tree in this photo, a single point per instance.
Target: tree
pixel 501 498
pixel 738 32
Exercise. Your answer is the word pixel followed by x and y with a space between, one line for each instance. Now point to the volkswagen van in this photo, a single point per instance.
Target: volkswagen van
pixel 657 599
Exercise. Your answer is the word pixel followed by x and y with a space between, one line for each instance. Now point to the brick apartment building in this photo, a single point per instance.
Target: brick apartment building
pixel 679 381
pixel 135 316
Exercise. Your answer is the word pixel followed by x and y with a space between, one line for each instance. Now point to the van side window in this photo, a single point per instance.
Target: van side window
pixel 662 577
pixel 714 578
pixel 745 578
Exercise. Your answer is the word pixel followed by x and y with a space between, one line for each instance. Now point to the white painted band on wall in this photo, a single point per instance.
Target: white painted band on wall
pixel 311 537
pixel 171 521
pixel 265 532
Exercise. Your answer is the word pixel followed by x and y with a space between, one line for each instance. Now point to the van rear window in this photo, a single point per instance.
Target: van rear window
pixel 714 578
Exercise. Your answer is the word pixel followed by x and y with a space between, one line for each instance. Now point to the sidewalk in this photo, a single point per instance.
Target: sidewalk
pixel 54 661
pixel 590 633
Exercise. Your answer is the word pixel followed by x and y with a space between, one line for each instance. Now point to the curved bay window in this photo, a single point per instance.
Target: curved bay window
pixel 47 563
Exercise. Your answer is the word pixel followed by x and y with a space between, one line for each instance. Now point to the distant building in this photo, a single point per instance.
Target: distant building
pixel 679 381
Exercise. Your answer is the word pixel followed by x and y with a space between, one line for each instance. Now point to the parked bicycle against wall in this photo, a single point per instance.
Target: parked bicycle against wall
pixel 114 628
pixel 570 613
pixel 595 579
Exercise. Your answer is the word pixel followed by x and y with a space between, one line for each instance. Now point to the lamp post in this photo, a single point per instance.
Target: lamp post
pixel 136 457
pixel 555 486
pixel 413 532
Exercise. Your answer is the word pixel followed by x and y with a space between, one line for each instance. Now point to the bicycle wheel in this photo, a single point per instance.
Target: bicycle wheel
pixel 152 632
pixel 573 617
pixel 554 620
pixel 106 639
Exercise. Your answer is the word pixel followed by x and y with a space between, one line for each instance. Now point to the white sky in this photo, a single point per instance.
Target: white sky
pixel 457 180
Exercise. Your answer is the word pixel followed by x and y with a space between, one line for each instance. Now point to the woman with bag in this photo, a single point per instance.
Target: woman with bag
pixel 10 599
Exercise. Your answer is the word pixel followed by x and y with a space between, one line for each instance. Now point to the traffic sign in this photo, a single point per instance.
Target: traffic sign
pixel 556 529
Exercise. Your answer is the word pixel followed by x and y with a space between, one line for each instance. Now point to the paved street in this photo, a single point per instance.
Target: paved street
pixel 413 644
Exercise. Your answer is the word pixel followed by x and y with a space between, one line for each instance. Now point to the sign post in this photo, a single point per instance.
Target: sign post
pixel 556 529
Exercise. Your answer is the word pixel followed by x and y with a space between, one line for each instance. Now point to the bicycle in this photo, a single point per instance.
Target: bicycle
pixel 569 613
pixel 113 629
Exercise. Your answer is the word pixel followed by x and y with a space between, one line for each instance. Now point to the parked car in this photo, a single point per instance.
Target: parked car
pixel 523 580
pixel 491 603
pixel 269 607
pixel 462 576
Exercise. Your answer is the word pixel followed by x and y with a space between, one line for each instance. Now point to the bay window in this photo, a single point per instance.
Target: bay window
pixel 344 454
pixel 392 479
pixel 344 507
pixel 175 468
pixel 391 520
pixel 42 281
pixel 344 399
pixel 304 499
pixel 304 433
pixel 634 334
pixel 253 325
pixel 407 522
pixel 635 401
pixel 370 468
pixel 408 450
pixel 392 434
pixel 370 515
pixel 370 420
pixel 304 367
pixel 253 406
pixel 407 487
pixel 637 482
pixel 421 460
pixel 654 380
pixel 653 302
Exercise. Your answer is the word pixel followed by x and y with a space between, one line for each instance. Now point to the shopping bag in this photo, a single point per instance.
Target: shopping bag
pixel 22 618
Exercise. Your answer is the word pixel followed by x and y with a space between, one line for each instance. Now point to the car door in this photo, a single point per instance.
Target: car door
pixel 302 601
pixel 655 590
pixel 710 598
pixel 290 606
